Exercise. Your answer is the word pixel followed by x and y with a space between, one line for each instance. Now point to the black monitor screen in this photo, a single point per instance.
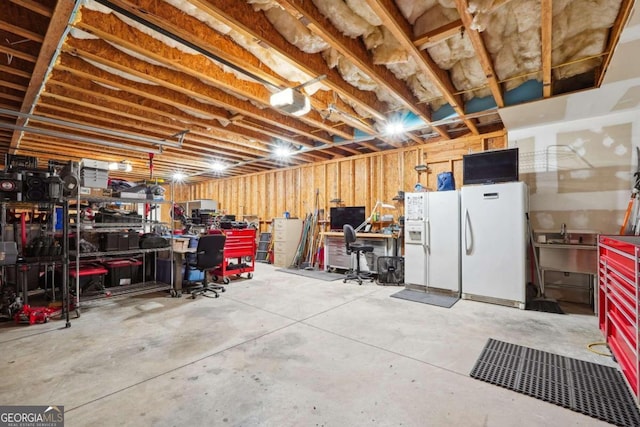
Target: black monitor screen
pixel 490 167
pixel 352 215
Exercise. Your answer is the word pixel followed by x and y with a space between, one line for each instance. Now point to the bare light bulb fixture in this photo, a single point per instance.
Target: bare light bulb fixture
pixel 218 167
pixel 282 152
pixel 394 128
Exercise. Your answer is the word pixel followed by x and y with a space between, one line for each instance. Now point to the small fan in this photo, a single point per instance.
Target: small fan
pixel 70 179
pixel 390 270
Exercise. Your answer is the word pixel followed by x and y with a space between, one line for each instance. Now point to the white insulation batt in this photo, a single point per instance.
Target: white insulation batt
pixel 510 30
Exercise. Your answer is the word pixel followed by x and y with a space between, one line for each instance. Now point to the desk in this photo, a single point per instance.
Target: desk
pixel 179 256
pixel 335 252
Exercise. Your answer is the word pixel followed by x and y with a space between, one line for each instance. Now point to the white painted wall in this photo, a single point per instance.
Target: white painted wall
pixel 580 172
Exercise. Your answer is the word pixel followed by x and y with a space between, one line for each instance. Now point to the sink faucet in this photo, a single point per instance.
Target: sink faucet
pixel 563 232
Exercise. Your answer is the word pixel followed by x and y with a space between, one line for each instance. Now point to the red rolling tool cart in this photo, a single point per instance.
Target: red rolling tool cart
pixel 619 303
pixel 239 254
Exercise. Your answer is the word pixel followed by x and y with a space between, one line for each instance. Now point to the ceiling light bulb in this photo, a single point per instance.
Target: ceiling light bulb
pixel 218 166
pixel 178 176
pixel 282 152
pixel 394 128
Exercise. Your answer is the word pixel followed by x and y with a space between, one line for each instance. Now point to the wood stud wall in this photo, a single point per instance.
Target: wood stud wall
pixel 358 180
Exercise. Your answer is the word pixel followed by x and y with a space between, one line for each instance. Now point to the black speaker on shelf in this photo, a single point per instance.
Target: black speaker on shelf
pixel 10 186
pixel 36 187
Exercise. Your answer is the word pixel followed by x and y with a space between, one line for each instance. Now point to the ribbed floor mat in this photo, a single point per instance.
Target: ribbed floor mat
pixel 591 389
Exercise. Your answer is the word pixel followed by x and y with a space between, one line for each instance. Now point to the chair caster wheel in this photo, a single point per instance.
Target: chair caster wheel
pixel 226 280
pixel 223 290
pixel 250 276
pixel 217 296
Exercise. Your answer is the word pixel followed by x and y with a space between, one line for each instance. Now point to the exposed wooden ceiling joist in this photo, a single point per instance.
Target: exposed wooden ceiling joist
pixel 59 19
pixel 546 30
pixel 113 30
pixel 442 33
pixel 481 51
pixel 241 17
pixel 15 71
pixel 34 6
pixel 205 69
pixel 399 27
pixel 22 32
pixel 626 7
pixel 355 52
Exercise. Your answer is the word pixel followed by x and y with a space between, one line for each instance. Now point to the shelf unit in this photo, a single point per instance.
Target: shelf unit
pixel 29 261
pixel 619 303
pixel 74 257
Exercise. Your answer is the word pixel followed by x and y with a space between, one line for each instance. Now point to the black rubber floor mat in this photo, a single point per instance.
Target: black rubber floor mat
pixel 445 301
pixel 591 389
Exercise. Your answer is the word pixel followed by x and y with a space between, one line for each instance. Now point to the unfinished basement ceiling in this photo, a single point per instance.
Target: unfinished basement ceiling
pixel 190 80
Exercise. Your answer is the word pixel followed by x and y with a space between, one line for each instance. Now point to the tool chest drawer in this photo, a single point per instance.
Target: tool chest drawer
pixel 618 280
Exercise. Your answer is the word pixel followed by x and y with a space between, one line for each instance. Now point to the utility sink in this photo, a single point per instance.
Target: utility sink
pixel 571 237
pixel 575 251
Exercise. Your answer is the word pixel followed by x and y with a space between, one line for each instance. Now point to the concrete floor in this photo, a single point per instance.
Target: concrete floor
pixel 284 350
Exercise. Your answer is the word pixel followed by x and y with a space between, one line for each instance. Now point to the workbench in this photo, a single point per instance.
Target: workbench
pixel 335 251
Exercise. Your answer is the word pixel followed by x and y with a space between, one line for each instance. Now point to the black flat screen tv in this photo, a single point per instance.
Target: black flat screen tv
pixel 341 215
pixel 490 167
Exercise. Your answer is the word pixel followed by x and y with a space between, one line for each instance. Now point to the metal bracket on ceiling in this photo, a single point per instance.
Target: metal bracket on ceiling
pixel 310 82
pixel 180 135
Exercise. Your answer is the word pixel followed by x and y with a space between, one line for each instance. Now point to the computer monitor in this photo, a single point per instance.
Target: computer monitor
pixel 490 167
pixel 341 215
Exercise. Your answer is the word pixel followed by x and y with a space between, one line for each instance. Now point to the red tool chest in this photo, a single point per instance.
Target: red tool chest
pixel 239 254
pixel 618 300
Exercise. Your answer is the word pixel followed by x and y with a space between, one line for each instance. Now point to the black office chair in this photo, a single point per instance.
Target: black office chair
pixel 209 254
pixel 357 249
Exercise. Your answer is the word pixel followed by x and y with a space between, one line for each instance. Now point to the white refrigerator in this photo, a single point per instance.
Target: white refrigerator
pixel 494 243
pixel 432 240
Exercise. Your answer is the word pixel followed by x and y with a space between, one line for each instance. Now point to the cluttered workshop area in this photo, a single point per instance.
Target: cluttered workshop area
pixel 252 208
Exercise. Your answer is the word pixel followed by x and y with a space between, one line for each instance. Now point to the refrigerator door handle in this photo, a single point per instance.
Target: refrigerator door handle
pixel 467 226
pixel 427 238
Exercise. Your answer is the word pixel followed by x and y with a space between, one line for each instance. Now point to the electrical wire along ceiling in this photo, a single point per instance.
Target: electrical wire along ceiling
pixel 214 88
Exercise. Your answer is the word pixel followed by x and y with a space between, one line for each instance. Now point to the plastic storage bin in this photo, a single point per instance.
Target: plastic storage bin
pixel 122 272
pixel 119 241
pixel 91 278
